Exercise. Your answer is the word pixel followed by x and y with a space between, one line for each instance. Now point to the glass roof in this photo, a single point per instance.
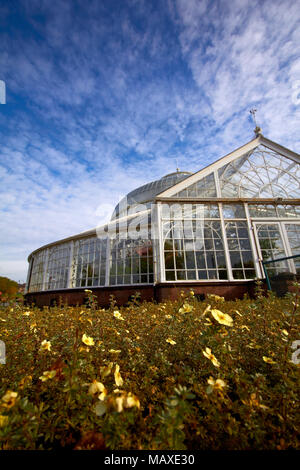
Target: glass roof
pixel 260 173
pixel 146 193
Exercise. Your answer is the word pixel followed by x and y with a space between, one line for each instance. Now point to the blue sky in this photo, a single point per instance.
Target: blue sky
pixel 103 96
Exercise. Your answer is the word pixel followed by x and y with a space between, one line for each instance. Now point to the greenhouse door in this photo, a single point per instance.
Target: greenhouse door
pixel 278 240
pixel 292 231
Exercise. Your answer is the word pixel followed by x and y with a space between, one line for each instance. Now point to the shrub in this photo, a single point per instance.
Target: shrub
pixel 185 374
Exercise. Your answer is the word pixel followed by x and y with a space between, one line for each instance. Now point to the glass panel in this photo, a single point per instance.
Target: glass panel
pixel 181 275
pixel 293 233
pixel 203 188
pixel 89 262
pixel 288 211
pixel 133 261
pixel 58 267
pixel 234 211
pixel 170 275
pixel 37 272
pixel 270 210
pixel 260 173
pixel 178 211
pixel 239 250
pixel 200 251
pixel 222 274
pixel 271 245
pixel 270 241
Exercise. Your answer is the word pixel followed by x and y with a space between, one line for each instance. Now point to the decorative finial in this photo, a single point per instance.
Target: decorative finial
pixel 177 169
pixel 257 130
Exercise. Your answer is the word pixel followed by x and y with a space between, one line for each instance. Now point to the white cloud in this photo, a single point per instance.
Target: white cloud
pixel 251 59
pixel 110 99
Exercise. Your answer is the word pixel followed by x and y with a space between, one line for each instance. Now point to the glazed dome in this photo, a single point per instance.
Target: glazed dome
pixel 145 194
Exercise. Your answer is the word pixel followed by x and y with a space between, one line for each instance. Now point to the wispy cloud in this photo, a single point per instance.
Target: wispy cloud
pixel 105 96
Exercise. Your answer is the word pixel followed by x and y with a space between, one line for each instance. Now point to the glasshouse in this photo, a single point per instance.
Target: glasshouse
pixel 216 231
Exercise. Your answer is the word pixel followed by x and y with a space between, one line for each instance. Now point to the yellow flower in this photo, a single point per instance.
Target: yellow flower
pixel 186 308
pixel 221 317
pixel 253 346
pixel 106 370
pixel 116 351
pixel 132 400
pixel 98 387
pixel 119 403
pixel 9 399
pixel 268 360
pixel 246 327
pixel 45 345
pixel 254 401
pixel 48 374
pixel 118 315
pixel 118 378
pixel 168 316
pixel 216 298
pixel 207 309
pixel 126 401
pixel 3 421
pixel 26 314
pixel 88 290
pixel 216 384
pixel 285 332
pixel 25 381
pixel 171 341
pixel 207 353
pixel 87 340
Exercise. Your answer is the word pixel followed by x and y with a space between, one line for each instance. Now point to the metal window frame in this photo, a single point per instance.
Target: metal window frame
pixel 254 246
pixel 225 244
pixel 71 262
pixel 45 270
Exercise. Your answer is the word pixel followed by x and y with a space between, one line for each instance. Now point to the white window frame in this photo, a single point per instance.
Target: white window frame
pixel 284 238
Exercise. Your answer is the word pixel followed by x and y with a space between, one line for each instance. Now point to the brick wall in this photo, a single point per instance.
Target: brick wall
pixel 159 293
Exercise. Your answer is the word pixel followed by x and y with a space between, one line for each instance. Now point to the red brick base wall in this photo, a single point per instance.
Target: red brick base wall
pixel 231 290
pixel 158 293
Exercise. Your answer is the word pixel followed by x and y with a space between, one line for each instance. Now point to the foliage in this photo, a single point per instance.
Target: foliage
pixel 184 374
pixel 8 288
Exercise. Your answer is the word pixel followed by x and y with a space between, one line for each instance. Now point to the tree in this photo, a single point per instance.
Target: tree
pixel 8 288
